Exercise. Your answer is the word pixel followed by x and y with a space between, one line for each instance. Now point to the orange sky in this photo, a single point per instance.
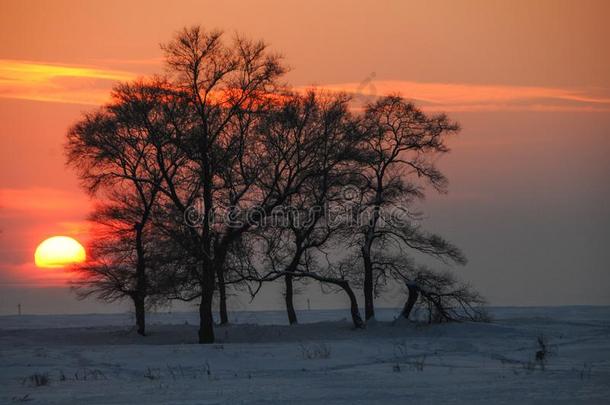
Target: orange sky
pixel 528 81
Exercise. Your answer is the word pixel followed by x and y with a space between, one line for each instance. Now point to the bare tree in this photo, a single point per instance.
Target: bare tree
pixel 311 143
pixel 124 258
pixel 441 296
pixel 111 151
pixel 227 87
pixel 400 144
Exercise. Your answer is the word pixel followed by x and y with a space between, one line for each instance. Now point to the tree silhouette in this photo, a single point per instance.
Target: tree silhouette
pixel 191 170
pixel 227 87
pixel 399 145
pixel 311 142
pixel 112 152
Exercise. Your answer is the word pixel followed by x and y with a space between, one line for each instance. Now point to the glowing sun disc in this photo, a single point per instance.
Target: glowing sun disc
pixel 59 251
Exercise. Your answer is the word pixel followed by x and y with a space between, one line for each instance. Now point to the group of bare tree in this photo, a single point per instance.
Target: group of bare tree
pixel 216 176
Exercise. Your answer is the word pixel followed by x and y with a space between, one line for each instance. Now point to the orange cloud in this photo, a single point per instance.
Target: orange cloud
pixel 475 97
pixel 91 85
pixel 57 83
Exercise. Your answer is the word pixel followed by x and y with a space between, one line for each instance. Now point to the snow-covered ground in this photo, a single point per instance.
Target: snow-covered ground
pixel 98 359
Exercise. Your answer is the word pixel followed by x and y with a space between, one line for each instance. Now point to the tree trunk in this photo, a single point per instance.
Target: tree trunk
pixel 224 317
pixel 369 305
pixel 369 308
pixel 206 319
pixel 208 275
pixel 356 319
pixel 288 296
pixel 141 283
pixel 411 300
pixel 140 314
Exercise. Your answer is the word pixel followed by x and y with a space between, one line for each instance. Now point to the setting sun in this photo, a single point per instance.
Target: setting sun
pixel 59 251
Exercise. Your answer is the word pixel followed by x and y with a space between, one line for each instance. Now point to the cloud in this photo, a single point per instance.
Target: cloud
pixel 58 83
pixel 91 85
pixel 477 97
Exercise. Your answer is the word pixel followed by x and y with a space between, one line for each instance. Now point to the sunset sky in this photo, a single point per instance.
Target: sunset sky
pixel 529 82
